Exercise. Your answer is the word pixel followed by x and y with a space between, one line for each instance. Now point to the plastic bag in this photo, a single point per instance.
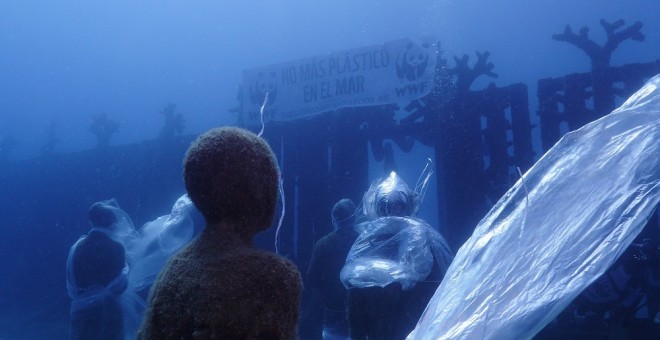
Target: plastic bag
pixel 394 249
pixel 394 246
pixel 555 231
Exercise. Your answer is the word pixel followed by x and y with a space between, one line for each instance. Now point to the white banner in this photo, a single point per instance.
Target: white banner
pixel 397 71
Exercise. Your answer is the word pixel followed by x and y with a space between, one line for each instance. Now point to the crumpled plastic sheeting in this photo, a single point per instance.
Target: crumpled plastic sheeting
pixel 555 231
pixel 394 249
pixel 147 250
pixel 157 241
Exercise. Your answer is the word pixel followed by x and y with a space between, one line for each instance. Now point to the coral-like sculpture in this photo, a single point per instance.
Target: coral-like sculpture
pixel 601 55
pixel 174 122
pixel 465 75
pixel 51 140
pixel 103 128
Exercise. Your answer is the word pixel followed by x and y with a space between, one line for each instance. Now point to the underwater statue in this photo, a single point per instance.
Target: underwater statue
pixel 327 260
pixel 219 286
pixel 143 251
pixel 396 263
pixel 96 272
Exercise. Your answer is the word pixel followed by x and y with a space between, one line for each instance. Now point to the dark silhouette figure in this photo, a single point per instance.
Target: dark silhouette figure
pixel 96 279
pixel 219 286
pixel 327 260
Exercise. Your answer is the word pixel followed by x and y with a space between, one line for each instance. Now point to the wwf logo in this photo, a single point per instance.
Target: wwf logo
pixel 412 61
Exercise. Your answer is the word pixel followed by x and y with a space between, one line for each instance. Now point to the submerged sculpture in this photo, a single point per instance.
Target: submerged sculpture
pixel 601 55
pixel 145 251
pixel 555 231
pixel 103 128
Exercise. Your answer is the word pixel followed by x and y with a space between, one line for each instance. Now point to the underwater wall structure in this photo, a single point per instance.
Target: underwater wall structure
pixel 481 138
pixel 567 103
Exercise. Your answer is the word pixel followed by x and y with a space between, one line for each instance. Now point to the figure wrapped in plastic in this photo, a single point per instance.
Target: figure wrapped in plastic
pixel 143 255
pixel 396 263
pixel 556 230
pixel 97 275
pixel 158 240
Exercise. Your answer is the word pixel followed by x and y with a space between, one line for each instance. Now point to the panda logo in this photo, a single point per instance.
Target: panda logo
pixel 266 83
pixel 411 62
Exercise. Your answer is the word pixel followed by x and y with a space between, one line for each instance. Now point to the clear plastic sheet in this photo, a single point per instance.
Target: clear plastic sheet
pixel 394 249
pixel 157 241
pixel 555 231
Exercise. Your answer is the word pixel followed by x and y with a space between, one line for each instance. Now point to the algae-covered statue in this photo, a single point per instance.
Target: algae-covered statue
pixel 219 286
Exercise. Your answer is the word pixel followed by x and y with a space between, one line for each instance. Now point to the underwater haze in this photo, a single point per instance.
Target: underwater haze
pixel 65 64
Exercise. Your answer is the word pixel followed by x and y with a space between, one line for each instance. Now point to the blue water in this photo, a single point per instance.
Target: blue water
pixel 62 63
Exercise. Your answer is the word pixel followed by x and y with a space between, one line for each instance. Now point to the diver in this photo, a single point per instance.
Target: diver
pixel 328 258
pixel 395 265
pixel 97 277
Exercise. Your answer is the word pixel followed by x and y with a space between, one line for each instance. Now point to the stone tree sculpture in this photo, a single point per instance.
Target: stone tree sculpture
pixel 601 55
pixel 466 75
